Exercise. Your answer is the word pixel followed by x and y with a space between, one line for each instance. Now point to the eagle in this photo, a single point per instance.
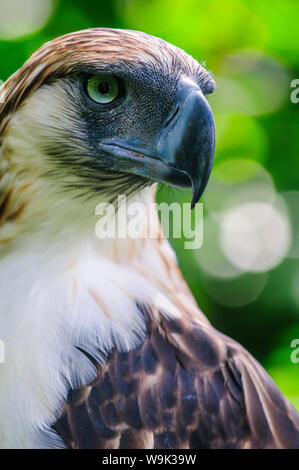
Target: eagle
pixel 105 346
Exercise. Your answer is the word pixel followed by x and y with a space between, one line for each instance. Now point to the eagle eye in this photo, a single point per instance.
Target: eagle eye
pixel 102 88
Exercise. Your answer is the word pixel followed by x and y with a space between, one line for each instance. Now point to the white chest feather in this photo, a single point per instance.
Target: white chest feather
pixel 54 301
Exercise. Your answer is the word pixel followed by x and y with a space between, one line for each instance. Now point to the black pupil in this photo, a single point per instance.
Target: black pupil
pixel 104 87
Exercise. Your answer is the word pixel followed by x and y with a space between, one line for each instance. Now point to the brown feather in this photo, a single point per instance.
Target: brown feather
pixel 98 46
pixel 69 54
pixel 185 386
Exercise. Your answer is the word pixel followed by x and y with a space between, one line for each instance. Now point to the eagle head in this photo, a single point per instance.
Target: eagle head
pixel 103 112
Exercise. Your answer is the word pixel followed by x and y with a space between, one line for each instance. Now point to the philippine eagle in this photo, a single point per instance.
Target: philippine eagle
pixel 105 346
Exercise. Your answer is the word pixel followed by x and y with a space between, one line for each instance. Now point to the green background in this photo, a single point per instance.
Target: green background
pixel 251 47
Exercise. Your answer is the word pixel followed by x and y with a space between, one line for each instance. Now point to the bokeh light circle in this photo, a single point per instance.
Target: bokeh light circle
pixel 292 200
pixel 250 82
pixel 236 292
pixel 210 256
pixel 236 180
pixel 22 17
pixel 255 236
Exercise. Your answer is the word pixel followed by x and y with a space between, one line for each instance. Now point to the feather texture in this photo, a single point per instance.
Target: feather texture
pixel 105 345
pixel 185 386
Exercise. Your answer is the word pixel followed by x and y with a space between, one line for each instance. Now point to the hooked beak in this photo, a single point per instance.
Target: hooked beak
pixel 182 154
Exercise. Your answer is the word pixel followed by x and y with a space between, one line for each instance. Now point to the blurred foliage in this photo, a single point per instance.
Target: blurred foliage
pixel 251 47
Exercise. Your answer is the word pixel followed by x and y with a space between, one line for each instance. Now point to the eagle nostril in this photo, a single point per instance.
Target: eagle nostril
pixel 172 116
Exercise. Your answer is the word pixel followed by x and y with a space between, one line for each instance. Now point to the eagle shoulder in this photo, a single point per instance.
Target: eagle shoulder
pixel 185 386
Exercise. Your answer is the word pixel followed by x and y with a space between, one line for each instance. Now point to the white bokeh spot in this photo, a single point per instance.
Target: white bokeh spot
pixel 22 17
pixel 255 236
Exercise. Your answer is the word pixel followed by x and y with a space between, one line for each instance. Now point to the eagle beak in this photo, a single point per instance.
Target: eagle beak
pixel 182 154
pixel 188 142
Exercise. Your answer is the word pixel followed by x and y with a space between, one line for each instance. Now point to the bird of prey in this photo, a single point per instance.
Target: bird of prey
pixel 105 346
